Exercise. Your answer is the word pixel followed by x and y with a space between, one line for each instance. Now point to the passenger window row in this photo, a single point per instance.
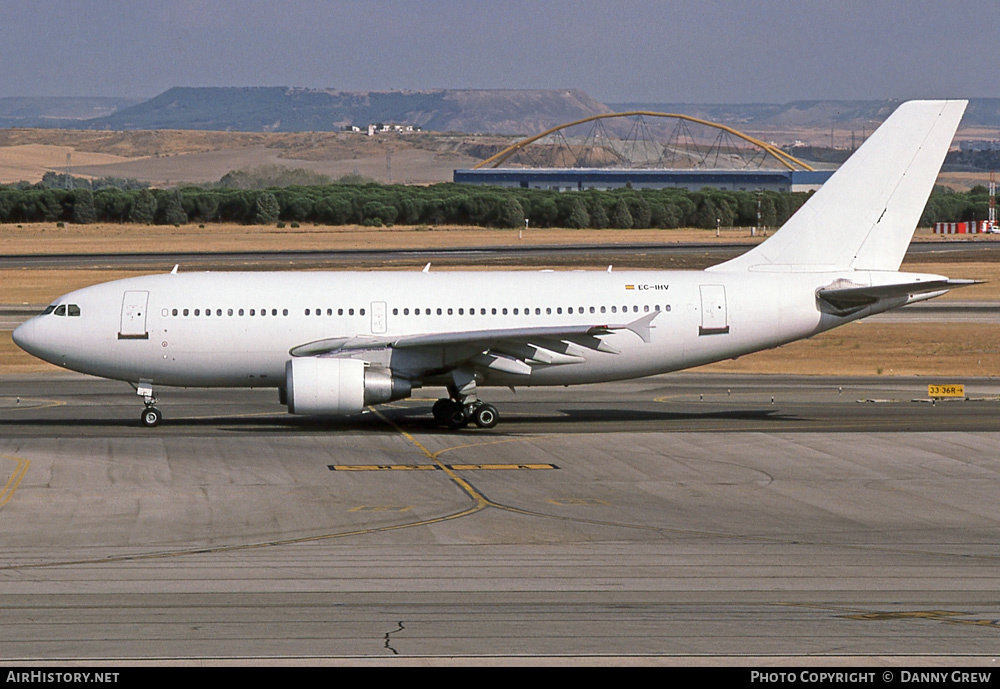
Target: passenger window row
pixel 527 311
pixel 329 312
pixel 252 312
pixel 417 311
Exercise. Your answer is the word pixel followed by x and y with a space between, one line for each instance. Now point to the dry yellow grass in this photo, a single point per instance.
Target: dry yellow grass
pixel 963 181
pixel 30 286
pixel 133 144
pixel 168 157
pixel 106 238
pixel 971 270
pixel 891 349
pixel 32 161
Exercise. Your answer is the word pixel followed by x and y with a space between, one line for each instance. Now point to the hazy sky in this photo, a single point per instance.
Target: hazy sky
pixel 624 50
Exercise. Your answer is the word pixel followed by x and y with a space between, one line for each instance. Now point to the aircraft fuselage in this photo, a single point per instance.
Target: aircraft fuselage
pixel 237 329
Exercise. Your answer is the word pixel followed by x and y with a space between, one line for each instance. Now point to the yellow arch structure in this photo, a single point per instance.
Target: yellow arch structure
pixel 782 157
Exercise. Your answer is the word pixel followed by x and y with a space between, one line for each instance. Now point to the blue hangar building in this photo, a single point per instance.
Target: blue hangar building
pixel 579 179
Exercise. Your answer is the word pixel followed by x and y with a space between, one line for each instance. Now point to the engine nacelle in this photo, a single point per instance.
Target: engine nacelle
pixel 338 386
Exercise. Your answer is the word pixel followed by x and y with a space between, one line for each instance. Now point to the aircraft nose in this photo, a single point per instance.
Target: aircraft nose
pixel 24 336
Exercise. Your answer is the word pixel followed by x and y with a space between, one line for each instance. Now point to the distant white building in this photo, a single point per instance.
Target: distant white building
pixel 990 145
pixel 391 128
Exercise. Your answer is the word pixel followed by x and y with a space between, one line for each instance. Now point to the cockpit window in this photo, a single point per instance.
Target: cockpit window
pixel 62 310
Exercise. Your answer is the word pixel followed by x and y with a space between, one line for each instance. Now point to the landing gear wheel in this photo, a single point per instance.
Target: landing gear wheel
pixel 456 416
pixel 151 417
pixel 441 410
pixel 486 416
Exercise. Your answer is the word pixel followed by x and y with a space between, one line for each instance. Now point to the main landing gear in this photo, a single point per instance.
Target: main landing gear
pixel 151 416
pixel 457 414
pixel 462 405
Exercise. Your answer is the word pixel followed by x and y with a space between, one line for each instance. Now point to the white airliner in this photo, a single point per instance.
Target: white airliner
pixel 333 343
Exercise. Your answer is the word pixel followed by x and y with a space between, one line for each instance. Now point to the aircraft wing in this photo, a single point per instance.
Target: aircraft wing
pixel 506 349
pixel 855 297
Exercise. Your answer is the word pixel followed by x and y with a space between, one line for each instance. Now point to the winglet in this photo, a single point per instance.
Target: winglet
pixel 174 271
pixel 640 326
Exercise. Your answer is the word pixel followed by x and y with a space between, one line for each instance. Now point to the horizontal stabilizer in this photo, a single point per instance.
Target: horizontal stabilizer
pixel 855 297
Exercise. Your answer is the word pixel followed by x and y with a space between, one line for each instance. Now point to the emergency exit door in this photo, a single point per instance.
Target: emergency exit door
pixel 378 318
pixel 133 323
pixel 714 313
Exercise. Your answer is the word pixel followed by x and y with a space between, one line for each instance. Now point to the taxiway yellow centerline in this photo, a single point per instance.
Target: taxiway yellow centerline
pixel 33 403
pixel 15 479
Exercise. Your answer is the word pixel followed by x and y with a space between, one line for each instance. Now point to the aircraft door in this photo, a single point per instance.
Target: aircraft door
pixel 378 317
pixel 714 314
pixel 133 322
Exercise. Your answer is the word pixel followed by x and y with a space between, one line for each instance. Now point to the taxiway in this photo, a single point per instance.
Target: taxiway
pixel 689 518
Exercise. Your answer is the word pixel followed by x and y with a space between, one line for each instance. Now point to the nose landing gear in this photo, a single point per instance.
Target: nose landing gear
pixel 151 416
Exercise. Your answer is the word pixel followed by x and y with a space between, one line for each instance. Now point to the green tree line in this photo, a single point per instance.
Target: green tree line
pixel 378 205
pixel 55 180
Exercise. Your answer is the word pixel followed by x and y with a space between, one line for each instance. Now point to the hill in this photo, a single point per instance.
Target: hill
pixel 279 109
pixel 509 112
pixel 66 111
pixel 982 112
pixel 170 157
pixel 200 134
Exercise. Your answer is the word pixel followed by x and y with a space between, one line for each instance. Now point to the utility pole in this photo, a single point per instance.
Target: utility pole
pixel 753 232
pixel 992 226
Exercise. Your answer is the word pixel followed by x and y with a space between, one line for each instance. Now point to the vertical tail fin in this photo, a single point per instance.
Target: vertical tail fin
pixel 864 216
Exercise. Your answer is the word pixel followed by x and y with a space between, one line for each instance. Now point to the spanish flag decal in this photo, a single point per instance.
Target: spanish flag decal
pixel 629 286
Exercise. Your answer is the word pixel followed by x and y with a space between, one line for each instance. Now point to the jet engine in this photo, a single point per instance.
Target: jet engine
pixel 338 386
